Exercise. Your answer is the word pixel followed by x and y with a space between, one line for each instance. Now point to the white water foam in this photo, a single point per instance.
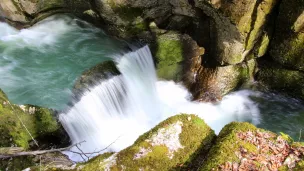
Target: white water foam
pixel 45 32
pixel 124 107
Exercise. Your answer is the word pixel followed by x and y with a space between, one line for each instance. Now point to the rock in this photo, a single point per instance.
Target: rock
pixel 288 42
pixel 171 145
pixel 93 76
pixel 24 13
pixel 12 12
pixel 238 27
pixel 211 84
pixel 40 123
pixel 123 18
pixel 36 163
pixel 173 53
pixel 242 146
pixel 299 166
pixel 283 80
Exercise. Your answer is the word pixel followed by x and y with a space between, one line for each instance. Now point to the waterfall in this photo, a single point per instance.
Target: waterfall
pixel 122 108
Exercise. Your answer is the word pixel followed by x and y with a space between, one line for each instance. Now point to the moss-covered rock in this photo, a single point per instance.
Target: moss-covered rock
pixel 242 146
pixel 171 145
pixel 299 166
pixel 123 18
pixel 16 122
pixel 40 122
pixel 287 45
pixel 93 76
pixel 283 80
pixel 174 53
pixel 240 28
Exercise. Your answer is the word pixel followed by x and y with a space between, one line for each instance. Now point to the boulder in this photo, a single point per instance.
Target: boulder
pixel 25 13
pixel 36 163
pixel 123 18
pixel 174 54
pixel 239 28
pixel 93 76
pixel 16 121
pixel 211 84
pixel 242 146
pixel 20 124
pixel 174 144
pixel 288 41
pixel 12 11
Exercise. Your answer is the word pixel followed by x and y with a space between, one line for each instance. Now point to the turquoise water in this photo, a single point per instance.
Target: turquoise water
pixel 279 113
pixel 40 65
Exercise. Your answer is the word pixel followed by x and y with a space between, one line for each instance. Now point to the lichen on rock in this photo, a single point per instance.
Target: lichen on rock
pixel 173 144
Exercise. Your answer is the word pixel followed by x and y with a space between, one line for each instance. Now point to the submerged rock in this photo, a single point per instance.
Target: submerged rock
pixel 242 146
pixel 93 76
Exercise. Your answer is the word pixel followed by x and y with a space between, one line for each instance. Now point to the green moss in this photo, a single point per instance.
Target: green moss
pixel 1 108
pixel 299 166
pixel 12 130
pixel 169 55
pixel 263 10
pixel 196 137
pixel 294 55
pixel 227 144
pixel 171 72
pixel 287 138
pixel 131 16
pixel 288 40
pixel 125 12
pixel 288 81
pixel 94 163
pixel 16 163
pixel 263 47
pixel 44 120
pixel 284 168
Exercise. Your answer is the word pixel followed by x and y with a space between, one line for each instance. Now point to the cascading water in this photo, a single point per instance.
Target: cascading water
pixel 39 66
pixel 124 107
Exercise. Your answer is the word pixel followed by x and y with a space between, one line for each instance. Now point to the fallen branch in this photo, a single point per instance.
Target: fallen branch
pixel 34 153
pixel 81 153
